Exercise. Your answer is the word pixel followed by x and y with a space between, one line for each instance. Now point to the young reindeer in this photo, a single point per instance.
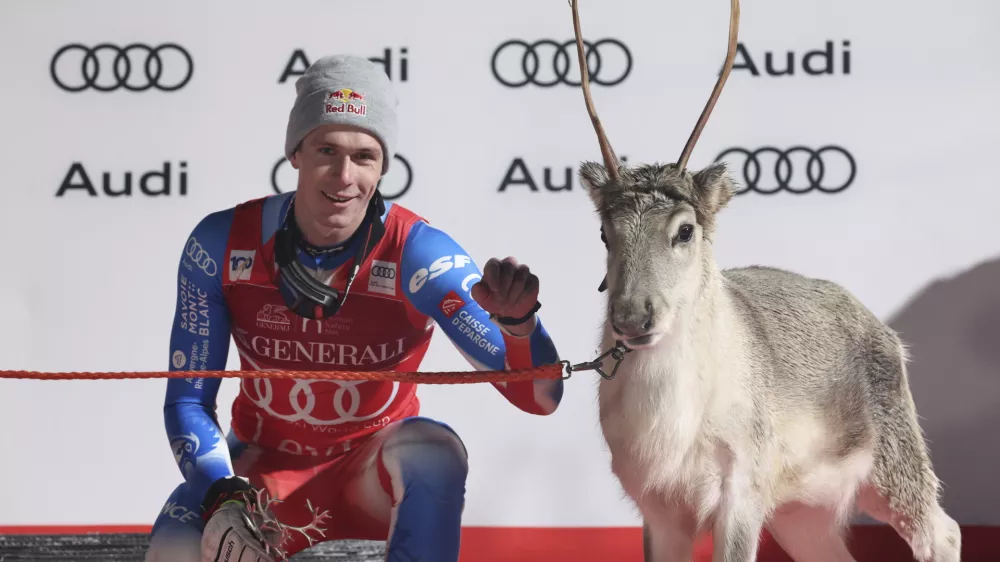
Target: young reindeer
pixel 746 398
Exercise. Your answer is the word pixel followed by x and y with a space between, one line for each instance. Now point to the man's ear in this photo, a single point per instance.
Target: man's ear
pixel 713 188
pixel 593 177
pixel 294 160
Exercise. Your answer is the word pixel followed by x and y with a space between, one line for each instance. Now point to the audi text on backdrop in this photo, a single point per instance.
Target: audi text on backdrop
pixel 154 183
pixel 826 57
pixel 135 67
pixel 299 62
pixel 519 174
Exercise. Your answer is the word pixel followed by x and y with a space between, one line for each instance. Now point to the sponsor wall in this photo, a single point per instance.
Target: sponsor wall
pixel 861 143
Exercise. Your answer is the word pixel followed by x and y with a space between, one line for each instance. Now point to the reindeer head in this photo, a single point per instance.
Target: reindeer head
pixel 656 220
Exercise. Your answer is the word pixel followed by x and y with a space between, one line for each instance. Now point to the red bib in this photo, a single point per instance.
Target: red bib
pixel 376 329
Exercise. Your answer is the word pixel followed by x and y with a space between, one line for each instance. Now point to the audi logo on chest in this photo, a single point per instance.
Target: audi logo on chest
pixel 135 67
pixel 798 170
pixel 547 63
pixel 383 272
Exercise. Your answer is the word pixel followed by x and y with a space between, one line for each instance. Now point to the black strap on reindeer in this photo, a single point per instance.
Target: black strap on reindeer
pixel 604 283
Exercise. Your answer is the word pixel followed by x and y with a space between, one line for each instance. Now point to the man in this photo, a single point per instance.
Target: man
pixel 331 277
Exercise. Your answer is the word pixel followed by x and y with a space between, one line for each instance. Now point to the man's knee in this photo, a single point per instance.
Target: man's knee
pixel 176 533
pixel 430 452
pixel 429 489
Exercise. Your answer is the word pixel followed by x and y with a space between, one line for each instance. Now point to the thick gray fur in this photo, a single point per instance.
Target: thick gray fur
pixel 761 398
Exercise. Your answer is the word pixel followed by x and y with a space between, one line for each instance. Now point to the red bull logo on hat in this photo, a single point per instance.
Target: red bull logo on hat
pixel 345 100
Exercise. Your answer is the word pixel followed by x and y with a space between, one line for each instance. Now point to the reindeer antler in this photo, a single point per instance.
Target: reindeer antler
pixel 734 23
pixel 610 161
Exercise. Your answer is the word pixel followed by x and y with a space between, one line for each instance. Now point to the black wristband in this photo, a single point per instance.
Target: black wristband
pixel 223 490
pixel 510 321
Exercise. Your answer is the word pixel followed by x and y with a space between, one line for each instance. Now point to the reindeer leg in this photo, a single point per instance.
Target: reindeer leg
pixel 740 519
pixel 737 535
pixel 904 489
pixel 668 532
pixel 647 543
pixel 810 534
pixel 932 535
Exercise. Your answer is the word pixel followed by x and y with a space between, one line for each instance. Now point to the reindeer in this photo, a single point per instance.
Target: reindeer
pixel 746 398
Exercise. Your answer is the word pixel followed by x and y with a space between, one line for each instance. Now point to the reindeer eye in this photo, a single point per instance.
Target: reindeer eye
pixel 685 233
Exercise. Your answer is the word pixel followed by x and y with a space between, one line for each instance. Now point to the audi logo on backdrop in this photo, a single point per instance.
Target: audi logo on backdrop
pixel 393 185
pixel 547 63
pixel 799 169
pixel 384 272
pixel 136 67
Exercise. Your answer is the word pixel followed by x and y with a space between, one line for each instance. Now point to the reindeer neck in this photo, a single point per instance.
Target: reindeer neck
pixel 673 383
pixel 711 290
pixel 701 323
pixel 698 314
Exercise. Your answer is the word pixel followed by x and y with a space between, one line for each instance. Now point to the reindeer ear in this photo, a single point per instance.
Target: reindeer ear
pixel 593 177
pixel 713 188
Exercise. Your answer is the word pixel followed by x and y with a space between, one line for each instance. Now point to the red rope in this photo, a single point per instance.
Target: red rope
pixel 552 371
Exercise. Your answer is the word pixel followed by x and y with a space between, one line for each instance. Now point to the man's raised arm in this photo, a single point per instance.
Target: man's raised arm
pixel 437 276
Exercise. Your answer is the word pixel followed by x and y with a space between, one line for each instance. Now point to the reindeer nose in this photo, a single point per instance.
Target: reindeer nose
pixel 630 320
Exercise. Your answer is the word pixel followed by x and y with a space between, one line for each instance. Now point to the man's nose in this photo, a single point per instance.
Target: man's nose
pixel 344 170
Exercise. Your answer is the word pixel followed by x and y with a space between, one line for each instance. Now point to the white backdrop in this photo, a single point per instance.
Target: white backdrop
pixel 89 280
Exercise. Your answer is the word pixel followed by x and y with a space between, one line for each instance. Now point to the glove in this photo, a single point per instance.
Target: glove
pixel 239 524
pixel 230 535
pixel 232 532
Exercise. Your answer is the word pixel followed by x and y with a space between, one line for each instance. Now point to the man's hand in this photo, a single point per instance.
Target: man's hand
pixel 508 289
pixel 230 534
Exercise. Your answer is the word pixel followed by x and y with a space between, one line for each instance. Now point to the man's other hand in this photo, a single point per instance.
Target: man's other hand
pixel 230 535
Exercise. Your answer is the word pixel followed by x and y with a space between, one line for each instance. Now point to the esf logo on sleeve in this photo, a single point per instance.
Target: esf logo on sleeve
pixel 440 266
pixel 241 264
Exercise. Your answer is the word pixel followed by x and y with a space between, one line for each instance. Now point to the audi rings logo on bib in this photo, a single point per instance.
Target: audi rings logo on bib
pixel 321 403
pixel 798 169
pixel 136 67
pixel 393 185
pixel 548 63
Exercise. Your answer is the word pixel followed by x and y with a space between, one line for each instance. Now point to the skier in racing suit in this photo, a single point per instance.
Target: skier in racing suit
pixel 332 277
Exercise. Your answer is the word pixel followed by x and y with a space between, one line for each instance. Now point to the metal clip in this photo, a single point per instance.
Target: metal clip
pixel 617 353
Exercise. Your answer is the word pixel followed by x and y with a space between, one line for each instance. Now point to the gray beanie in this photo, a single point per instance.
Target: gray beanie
pixel 344 89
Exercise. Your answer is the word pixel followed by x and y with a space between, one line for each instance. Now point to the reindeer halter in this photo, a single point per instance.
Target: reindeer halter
pixel 610 160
